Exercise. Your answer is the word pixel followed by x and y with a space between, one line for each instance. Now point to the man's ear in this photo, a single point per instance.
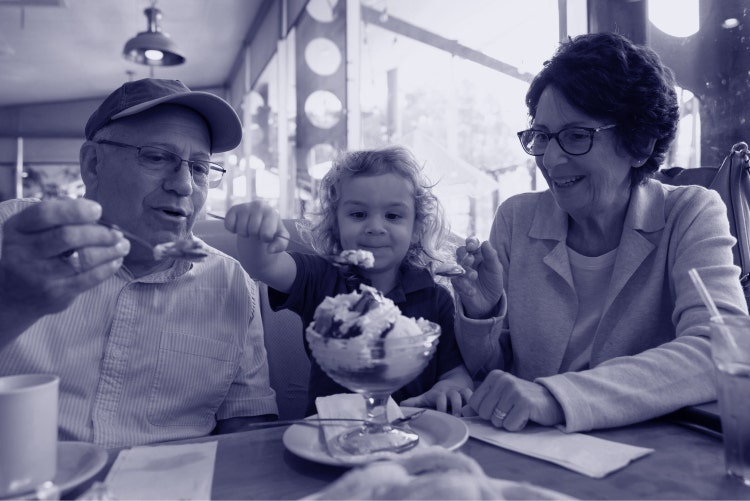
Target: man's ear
pixel 89 160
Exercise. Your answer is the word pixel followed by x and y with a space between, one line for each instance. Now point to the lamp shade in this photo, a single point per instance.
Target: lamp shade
pixel 152 47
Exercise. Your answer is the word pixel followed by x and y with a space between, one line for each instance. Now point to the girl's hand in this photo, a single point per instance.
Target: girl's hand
pixel 450 392
pixel 510 402
pixel 260 223
pixel 443 398
pixel 481 287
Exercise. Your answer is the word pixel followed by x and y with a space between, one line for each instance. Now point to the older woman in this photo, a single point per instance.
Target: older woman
pixel 579 309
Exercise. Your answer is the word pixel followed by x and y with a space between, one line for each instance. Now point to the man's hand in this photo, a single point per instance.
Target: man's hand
pixel 51 252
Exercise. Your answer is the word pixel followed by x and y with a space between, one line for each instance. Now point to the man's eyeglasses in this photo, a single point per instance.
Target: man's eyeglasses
pixel 159 161
pixel 572 140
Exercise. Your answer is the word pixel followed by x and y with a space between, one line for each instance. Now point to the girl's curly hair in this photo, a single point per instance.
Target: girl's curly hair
pixel 429 225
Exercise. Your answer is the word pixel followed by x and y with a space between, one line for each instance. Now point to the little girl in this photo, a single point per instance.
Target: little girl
pixel 375 201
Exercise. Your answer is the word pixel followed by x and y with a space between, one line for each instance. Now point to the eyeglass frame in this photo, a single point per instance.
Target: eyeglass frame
pixel 555 135
pixel 213 166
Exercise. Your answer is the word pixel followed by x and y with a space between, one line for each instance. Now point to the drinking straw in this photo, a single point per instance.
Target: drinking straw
pixel 705 296
pixel 715 316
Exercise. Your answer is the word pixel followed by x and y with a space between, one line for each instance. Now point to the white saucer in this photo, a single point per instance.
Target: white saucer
pixel 433 428
pixel 77 462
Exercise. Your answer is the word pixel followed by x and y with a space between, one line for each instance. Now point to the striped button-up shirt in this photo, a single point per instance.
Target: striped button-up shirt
pixel 155 358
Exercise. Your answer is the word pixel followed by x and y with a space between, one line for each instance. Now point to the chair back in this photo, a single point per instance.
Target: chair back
pixel 732 181
pixel 289 367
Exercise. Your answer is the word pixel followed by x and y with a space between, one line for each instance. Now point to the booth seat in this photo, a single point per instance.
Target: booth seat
pixel 288 363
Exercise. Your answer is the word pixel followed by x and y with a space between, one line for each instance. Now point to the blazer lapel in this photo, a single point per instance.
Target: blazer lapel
pixel 645 216
pixel 551 223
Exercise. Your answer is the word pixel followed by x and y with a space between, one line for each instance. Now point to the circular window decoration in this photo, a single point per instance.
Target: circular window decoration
pixel 319 160
pixel 322 56
pixel 321 10
pixel 323 109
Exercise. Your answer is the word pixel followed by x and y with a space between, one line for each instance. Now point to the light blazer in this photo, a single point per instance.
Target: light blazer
pixel 651 352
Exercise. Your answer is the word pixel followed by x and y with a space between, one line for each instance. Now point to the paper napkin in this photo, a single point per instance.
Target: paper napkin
pixel 348 405
pixel 182 471
pixel 591 456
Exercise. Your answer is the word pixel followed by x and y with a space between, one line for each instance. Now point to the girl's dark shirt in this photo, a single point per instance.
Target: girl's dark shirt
pixel 417 295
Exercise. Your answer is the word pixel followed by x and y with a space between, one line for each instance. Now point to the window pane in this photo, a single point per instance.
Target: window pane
pixel 448 80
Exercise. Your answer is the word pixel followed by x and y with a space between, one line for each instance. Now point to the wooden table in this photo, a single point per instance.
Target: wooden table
pixel 686 464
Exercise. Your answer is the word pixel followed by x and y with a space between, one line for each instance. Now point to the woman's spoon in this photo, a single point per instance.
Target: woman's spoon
pixel 447 270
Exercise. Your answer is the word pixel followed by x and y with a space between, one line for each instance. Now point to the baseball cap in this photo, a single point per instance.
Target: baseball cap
pixel 140 95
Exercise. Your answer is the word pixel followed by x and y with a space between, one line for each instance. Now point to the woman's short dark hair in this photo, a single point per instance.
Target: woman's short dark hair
pixel 610 78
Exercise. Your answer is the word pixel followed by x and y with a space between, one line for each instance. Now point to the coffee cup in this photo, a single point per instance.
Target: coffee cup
pixel 28 432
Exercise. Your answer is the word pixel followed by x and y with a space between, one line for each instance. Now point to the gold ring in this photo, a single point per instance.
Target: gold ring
pixel 73 260
pixel 500 414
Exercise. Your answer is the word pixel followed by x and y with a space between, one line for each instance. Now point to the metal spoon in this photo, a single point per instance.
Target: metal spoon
pixel 159 251
pixel 448 270
pixel 337 259
pixel 316 421
pixel 130 236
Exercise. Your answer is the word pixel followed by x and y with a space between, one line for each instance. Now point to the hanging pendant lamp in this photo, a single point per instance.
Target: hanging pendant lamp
pixel 153 47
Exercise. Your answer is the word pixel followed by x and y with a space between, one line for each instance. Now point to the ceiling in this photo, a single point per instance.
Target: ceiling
pixel 61 50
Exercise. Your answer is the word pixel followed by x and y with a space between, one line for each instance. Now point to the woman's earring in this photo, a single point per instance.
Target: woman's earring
pixel 415 248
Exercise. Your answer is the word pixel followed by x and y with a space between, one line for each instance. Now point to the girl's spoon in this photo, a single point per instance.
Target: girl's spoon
pixel 352 257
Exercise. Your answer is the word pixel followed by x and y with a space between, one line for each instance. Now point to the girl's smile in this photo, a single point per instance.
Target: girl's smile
pixel 376 213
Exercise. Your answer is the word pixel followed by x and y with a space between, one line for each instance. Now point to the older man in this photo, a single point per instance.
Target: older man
pixel 147 349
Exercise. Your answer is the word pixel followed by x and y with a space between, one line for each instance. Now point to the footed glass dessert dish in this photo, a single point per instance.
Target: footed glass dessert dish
pixel 364 343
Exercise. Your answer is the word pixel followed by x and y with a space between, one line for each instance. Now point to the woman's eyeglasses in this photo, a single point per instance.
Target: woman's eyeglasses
pixel 572 140
pixel 160 161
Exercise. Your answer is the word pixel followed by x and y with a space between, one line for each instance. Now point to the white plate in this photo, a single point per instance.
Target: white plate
pixel 433 428
pixel 77 462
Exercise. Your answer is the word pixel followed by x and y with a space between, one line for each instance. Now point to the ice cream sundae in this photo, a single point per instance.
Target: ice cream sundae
pixel 364 343
pixel 356 257
pixel 361 330
pixel 189 249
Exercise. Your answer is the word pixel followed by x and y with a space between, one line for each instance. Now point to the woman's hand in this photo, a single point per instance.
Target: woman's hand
pixel 510 402
pixel 481 287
